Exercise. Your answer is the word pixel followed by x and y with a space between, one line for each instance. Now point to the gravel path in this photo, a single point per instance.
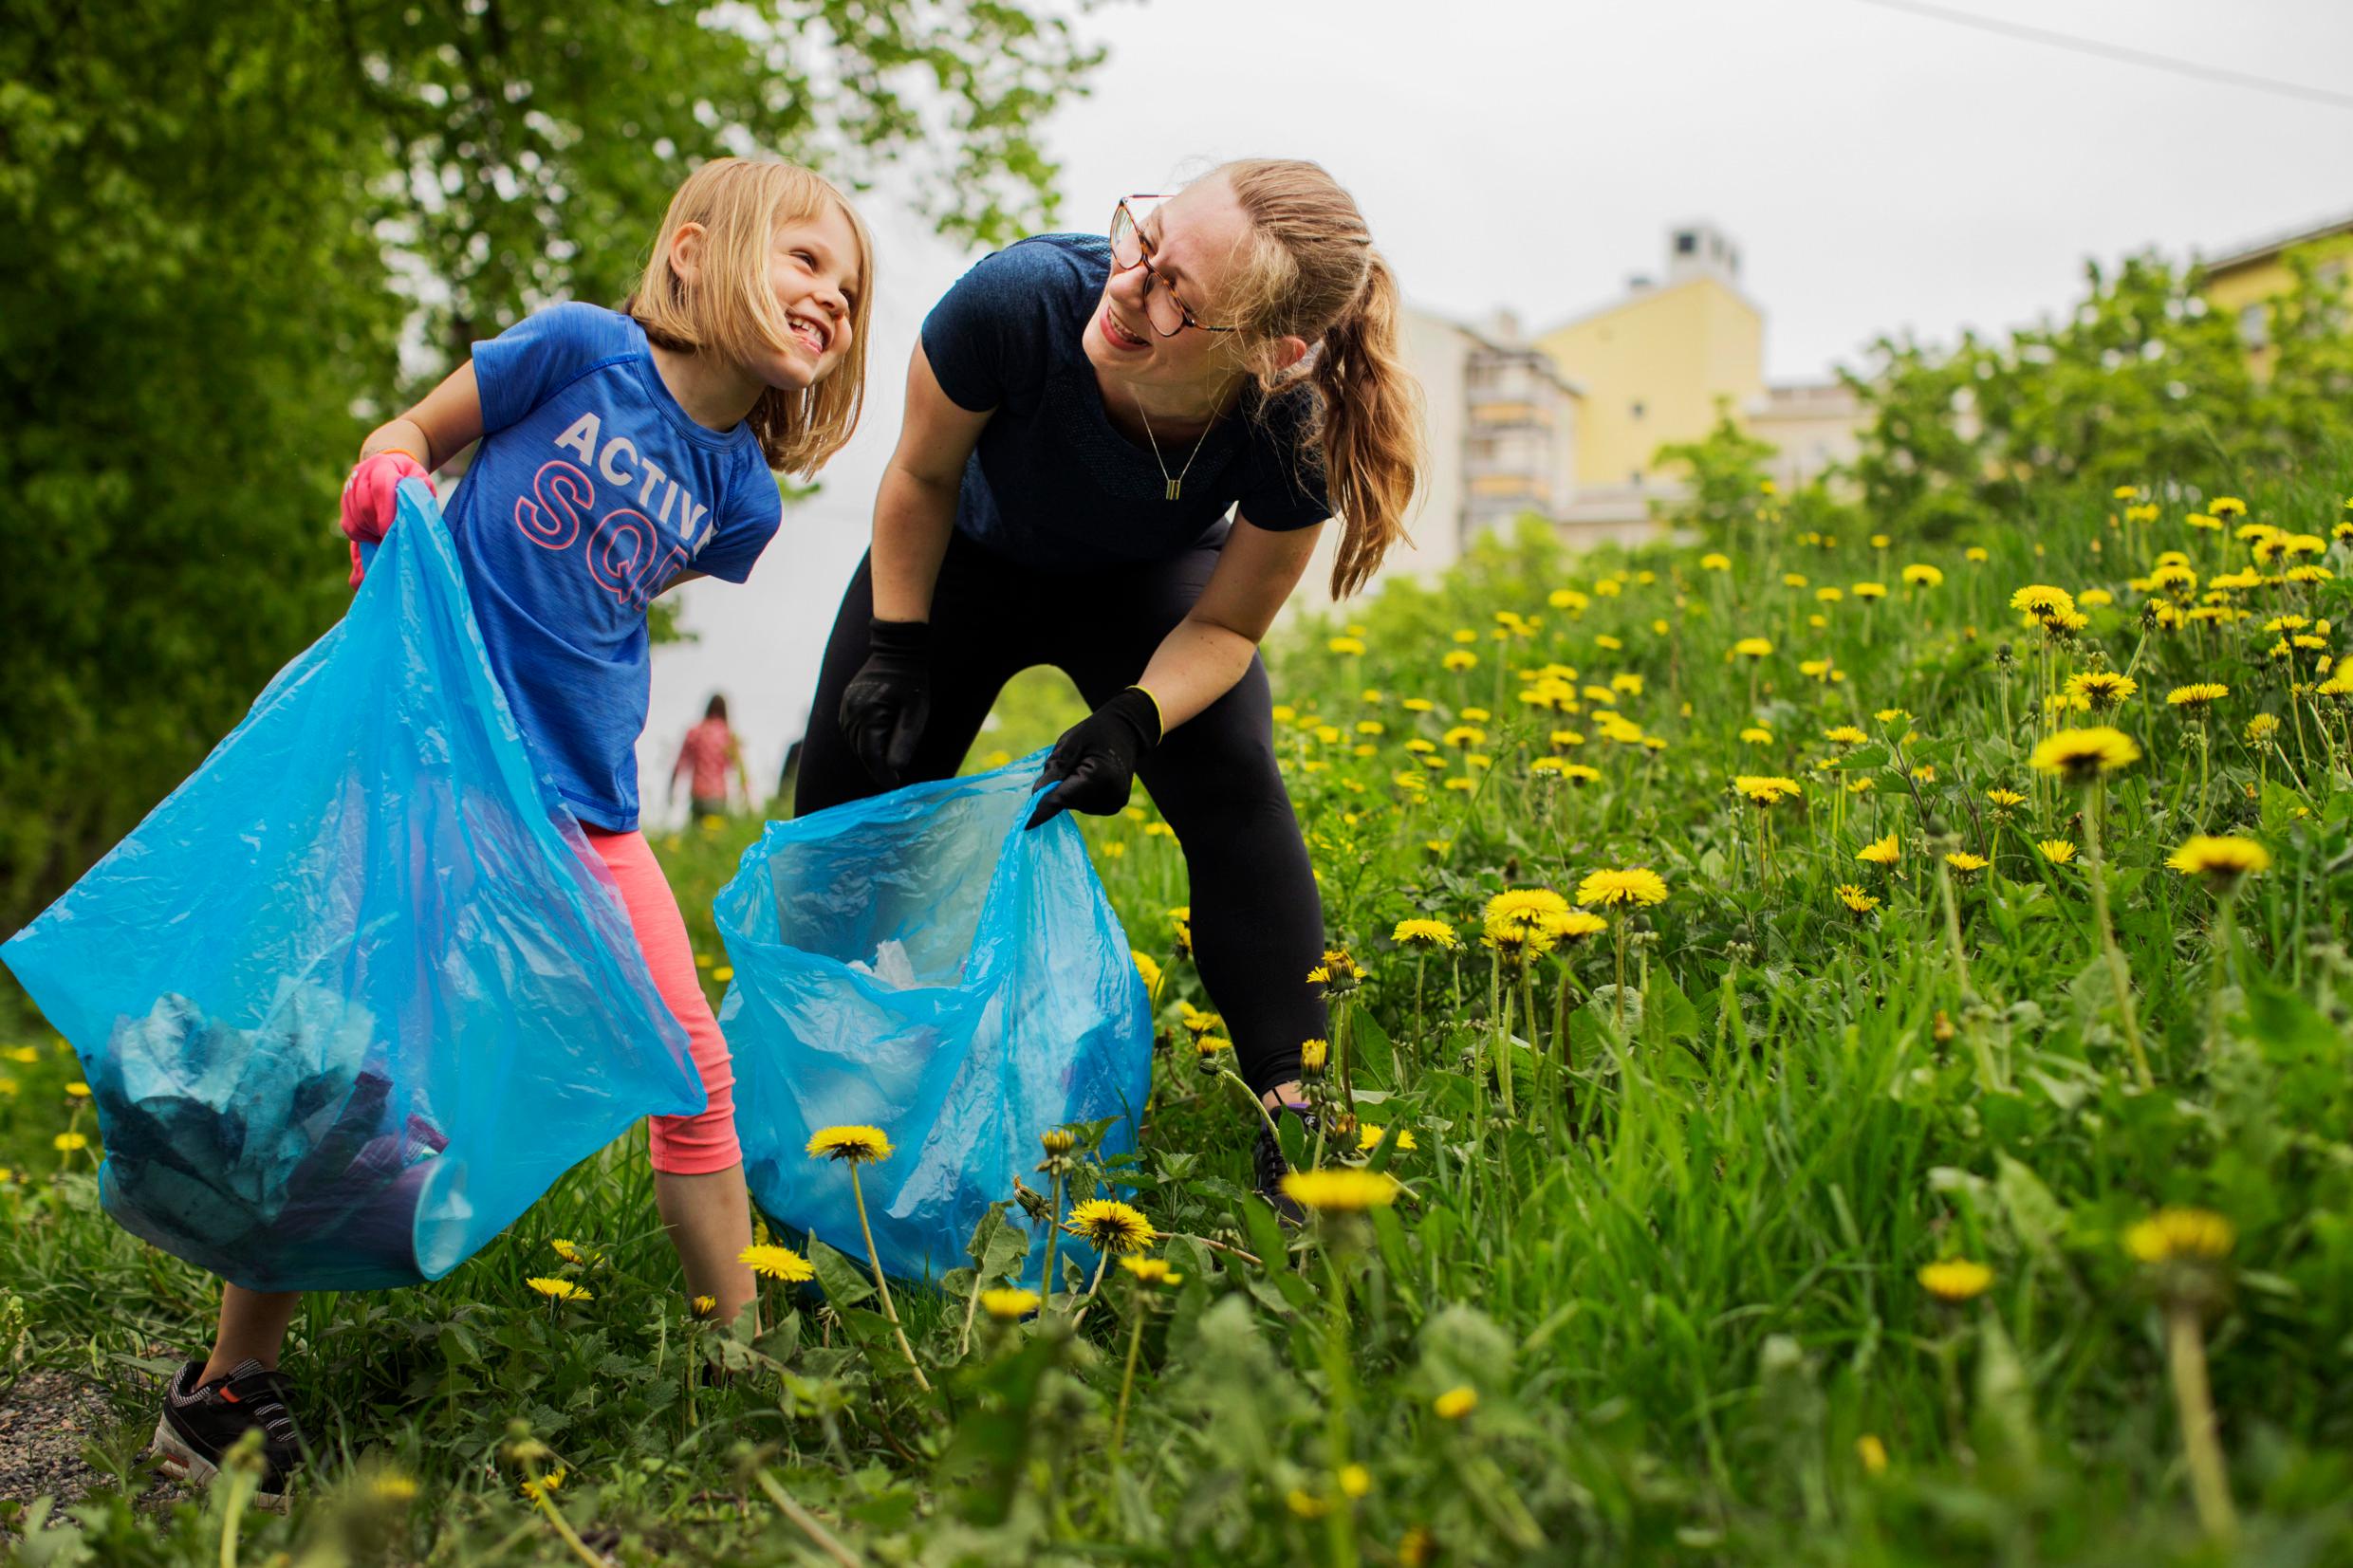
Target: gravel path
pixel 44 1420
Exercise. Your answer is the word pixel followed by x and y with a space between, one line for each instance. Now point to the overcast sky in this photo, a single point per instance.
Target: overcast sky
pixel 1880 171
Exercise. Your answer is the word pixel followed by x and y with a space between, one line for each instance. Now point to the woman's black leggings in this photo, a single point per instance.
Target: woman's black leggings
pixel 1257 918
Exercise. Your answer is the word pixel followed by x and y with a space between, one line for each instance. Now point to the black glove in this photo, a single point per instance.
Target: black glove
pixel 1093 766
pixel 884 707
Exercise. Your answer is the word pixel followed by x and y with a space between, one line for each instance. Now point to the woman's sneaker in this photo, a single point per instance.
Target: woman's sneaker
pixel 202 1422
pixel 1269 1167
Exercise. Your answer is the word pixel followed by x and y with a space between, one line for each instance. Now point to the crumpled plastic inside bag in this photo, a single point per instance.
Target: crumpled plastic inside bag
pixel 921 962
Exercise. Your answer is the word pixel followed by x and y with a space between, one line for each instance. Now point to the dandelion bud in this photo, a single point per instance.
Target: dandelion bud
pixel 1313 1053
pixel 1033 1202
pixel 1942 1028
pixel 1057 1142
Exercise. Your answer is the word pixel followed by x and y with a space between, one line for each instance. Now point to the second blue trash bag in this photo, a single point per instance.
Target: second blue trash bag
pixel 359 991
pixel 921 963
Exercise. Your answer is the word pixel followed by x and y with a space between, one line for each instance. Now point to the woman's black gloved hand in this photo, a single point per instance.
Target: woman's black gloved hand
pixel 1093 766
pixel 884 707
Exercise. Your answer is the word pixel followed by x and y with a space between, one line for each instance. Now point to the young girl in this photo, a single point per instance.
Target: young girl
pixel 708 752
pixel 622 454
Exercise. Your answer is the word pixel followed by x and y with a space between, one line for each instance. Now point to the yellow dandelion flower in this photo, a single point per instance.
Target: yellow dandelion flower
pixel 559 1290
pixel 2057 851
pixel 1920 576
pixel 1346 645
pixel 1856 899
pixel 1764 789
pixel 1341 1188
pixel 1635 885
pixel 1151 1271
pixel 2221 859
pixel 1756 734
pixel 2080 755
pixel 776 1263
pixel 1716 560
pixel 1955 1279
pixel 1426 932
pixel 67 1143
pixel 2042 601
pixel 1456 1402
pixel 1873 1453
pixel 1526 908
pixel 1575 926
pixel 857 1145
pixel 1753 648
pixel 2101 688
pixel 1966 863
pixel 1355 1480
pixel 704 1305
pixel 1845 734
pixel 1462 660
pixel 1368 1137
pixel 1881 851
pixel 2197 694
pixel 1110 1225
pixel 552 1481
pixel 1007 1304
pixel 2174 1235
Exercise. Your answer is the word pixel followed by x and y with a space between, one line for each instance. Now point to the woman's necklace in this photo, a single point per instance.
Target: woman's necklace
pixel 1175 486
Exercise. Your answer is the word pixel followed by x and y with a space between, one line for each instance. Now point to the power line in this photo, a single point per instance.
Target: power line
pixel 2117 52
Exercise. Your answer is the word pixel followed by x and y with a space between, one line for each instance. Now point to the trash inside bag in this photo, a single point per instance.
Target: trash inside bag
pixel 359 991
pixel 921 964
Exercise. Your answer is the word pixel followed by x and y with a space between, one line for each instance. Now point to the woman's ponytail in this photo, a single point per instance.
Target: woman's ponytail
pixel 1372 429
pixel 1316 276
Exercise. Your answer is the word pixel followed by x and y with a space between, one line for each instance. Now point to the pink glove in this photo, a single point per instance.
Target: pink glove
pixel 370 501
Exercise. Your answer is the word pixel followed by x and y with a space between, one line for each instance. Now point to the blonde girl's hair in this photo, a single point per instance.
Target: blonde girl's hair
pixel 740 202
pixel 1312 273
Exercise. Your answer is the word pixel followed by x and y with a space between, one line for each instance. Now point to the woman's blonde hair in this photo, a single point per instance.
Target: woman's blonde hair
pixel 740 202
pixel 1312 273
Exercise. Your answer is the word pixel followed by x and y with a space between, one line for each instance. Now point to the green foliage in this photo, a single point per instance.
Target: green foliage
pixel 1726 474
pixel 222 221
pixel 1676 1286
pixel 2142 383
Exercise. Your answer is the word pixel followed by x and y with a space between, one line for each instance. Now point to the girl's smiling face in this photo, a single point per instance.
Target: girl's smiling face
pixel 814 269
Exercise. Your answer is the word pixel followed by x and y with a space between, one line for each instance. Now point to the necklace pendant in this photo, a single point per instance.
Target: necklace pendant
pixel 1175 488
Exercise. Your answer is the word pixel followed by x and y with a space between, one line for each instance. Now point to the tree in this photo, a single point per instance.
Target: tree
pixel 1727 470
pixel 2142 383
pixel 223 218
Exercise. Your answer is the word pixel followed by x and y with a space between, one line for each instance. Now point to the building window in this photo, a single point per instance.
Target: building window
pixel 2255 324
pixel 1634 477
pixel 1686 243
pixel 1637 408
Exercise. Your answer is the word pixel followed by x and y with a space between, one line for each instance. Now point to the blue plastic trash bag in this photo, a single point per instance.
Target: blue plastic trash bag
pixel 359 991
pixel 920 962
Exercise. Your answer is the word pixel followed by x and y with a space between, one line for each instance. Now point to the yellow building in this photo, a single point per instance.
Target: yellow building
pixel 1657 365
pixel 2243 282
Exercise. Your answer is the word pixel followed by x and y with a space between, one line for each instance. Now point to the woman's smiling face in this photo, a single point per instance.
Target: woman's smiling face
pixel 1198 240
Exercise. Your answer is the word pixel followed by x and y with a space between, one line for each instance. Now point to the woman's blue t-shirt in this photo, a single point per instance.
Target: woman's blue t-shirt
pixel 592 490
pixel 1051 482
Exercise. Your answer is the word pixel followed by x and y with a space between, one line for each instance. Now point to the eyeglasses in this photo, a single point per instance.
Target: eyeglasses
pixel 1131 250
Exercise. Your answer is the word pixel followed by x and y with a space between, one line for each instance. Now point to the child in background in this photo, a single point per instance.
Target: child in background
pixel 710 749
pixel 622 453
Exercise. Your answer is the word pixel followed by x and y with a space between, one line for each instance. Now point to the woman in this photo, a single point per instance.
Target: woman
pixel 1081 416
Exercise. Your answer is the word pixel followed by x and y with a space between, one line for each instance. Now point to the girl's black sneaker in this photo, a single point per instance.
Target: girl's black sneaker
pixel 201 1422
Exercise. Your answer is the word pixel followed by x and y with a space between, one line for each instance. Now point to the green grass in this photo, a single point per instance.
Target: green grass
pixel 1680 1275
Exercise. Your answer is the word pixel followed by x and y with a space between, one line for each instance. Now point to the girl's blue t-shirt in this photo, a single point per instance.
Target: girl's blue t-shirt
pixel 1052 483
pixel 592 490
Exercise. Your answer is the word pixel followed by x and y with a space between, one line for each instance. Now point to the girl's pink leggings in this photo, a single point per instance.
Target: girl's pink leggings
pixel 683 1146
